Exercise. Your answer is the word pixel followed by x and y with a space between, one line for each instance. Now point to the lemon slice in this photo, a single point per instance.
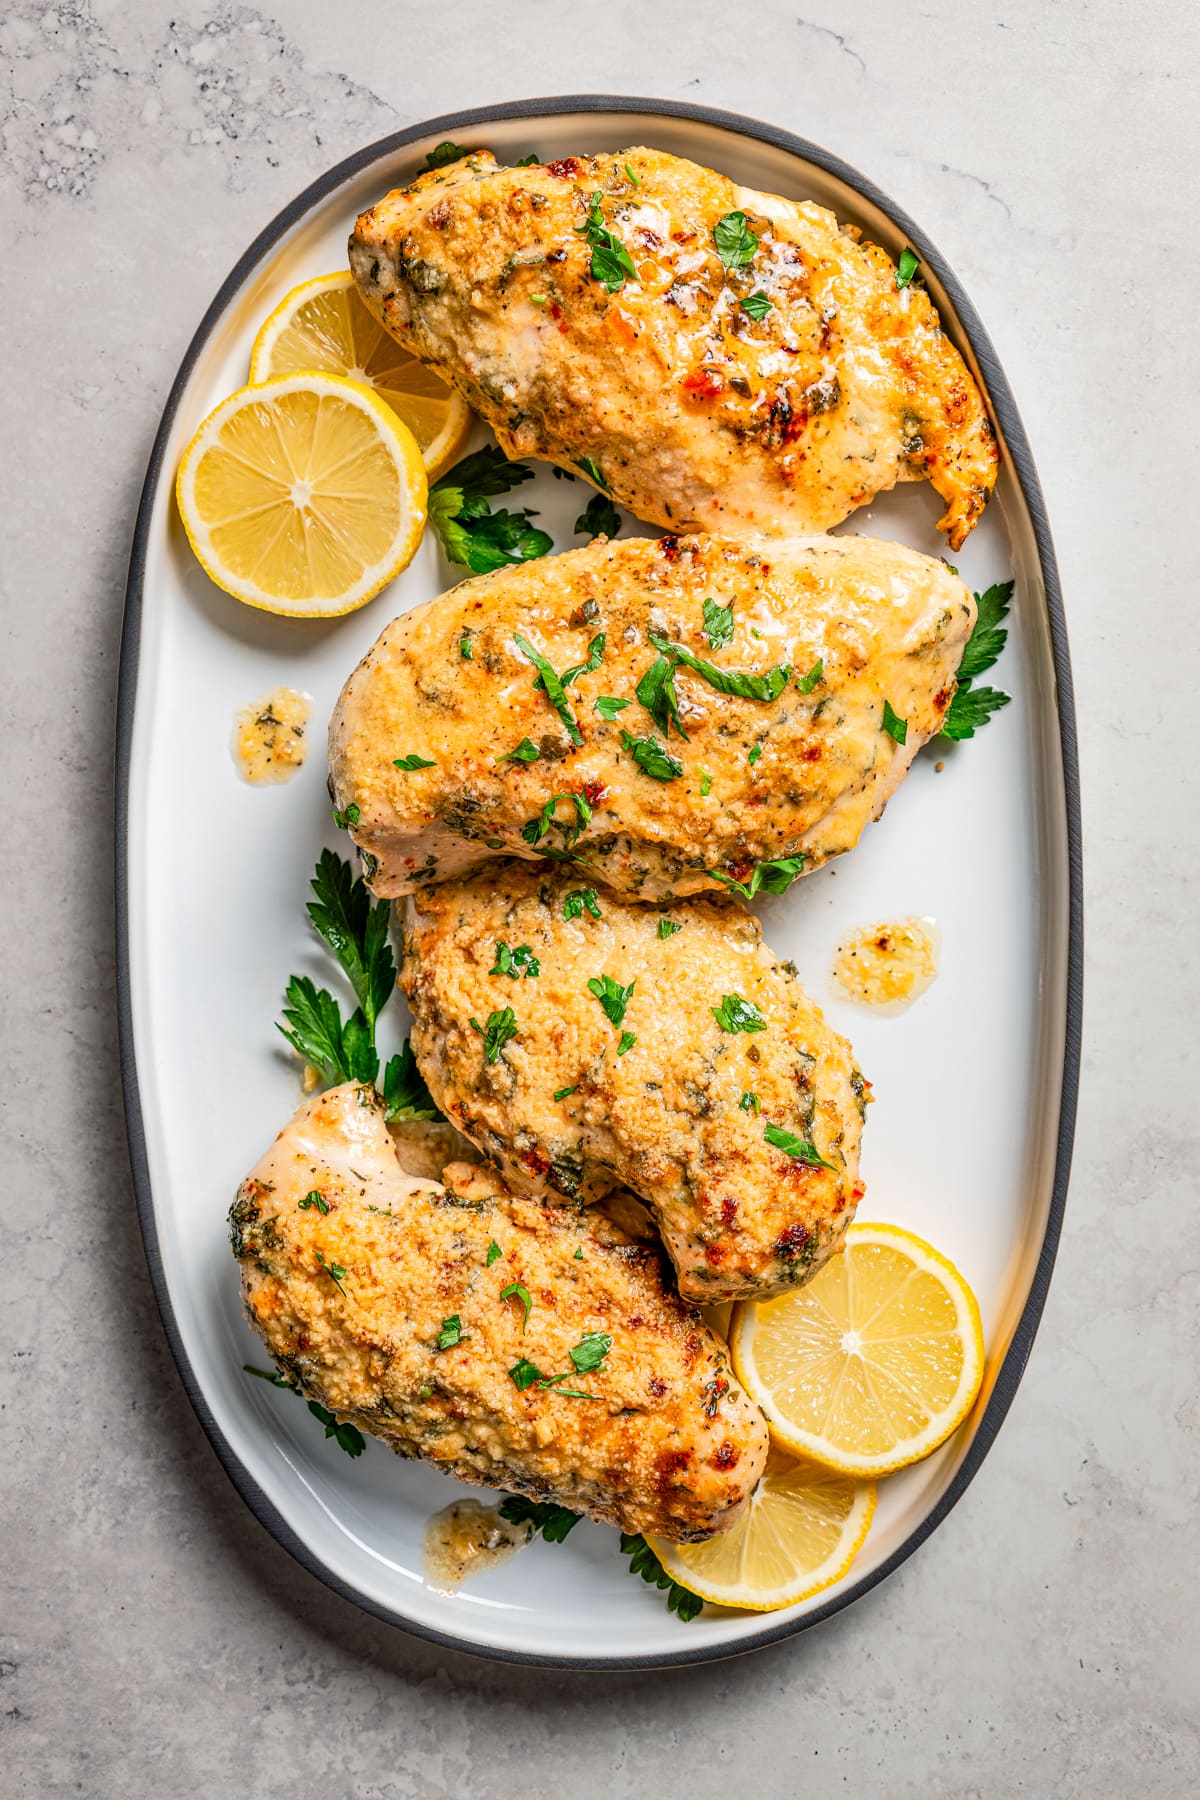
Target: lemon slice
pixel 324 325
pixel 800 1533
pixel 874 1363
pixel 304 495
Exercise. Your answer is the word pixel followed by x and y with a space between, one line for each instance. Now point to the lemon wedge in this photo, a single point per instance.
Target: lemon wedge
pixel 874 1363
pixel 303 495
pixel 324 325
pixel 800 1533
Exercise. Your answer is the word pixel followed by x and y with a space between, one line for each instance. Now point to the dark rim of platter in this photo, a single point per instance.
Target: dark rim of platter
pixel 1013 432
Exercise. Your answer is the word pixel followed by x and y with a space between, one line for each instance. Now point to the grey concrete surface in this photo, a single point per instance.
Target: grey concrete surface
pixel 154 1641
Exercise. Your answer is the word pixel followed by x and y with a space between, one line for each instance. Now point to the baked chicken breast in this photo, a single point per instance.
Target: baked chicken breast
pixel 723 704
pixel 382 1296
pixel 584 1043
pixel 717 358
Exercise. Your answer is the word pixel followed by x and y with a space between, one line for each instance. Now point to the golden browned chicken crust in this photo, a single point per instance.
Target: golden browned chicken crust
pixel 570 1096
pixel 378 1298
pixel 586 311
pixel 848 626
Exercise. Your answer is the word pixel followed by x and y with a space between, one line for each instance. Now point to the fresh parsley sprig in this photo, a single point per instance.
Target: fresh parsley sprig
pixel 347 1437
pixel 599 518
pixel 554 1522
pixel 341 1049
pixel 643 1562
pixel 766 687
pixel 972 707
pixel 470 532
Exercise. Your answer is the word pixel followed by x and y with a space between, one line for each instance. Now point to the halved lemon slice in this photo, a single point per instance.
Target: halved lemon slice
pixel 874 1363
pixel 303 495
pixel 324 325
pixel 800 1533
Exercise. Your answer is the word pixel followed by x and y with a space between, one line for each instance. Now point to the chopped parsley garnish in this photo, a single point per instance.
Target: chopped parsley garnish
pixel 523 1374
pixel 765 687
pixel 749 1102
pixel 972 707
pixel 527 162
pixel 470 532
pixel 907 267
pixel 668 927
pixel 579 1254
pixel 718 623
pixel 628 1040
pixel 316 1198
pixel 636 179
pixel 335 1272
pixel 464 645
pixel 536 829
pixel 652 757
pixel 578 901
pixel 494 1253
pixel 590 1352
pixel 516 963
pixel 796 1147
pixel 564 1093
pixel 758 305
pixel 774 877
pixel 643 1562
pixel 608 706
pixel 706 782
pixel 552 1520
pixel 450 1334
pixel 808 682
pixel 445 152
pixel 611 265
pixel 736 1014
pixel 599 518
pixel 656 691
pixel 588 466
pixel 500 1028
pixel 755 753
pixel 413 761
pixel 612 996
pixel 893 724
pixel 736 243
pixel 405 1095
pixel 554 686
pixel 516 1290
pixel 347 1437
pixel 351 816
pixel 594 655
pixel 525 752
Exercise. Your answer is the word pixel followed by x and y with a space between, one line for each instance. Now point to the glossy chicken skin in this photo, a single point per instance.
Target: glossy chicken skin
pixel 571 1096
pixel 669 1443
pixel 847 623
pixel 697 413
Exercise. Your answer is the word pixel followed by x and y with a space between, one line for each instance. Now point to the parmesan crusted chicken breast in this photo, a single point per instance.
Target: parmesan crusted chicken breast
pixel 584 1043
pixel 672 715
pixel 507 1343
pixel 716 358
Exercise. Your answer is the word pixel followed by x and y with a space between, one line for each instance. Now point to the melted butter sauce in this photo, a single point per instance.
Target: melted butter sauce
pixel 467 1538
pixel 889 965
pixel 269 736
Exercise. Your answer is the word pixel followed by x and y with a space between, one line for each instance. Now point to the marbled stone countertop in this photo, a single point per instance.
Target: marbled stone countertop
pixel 154 1641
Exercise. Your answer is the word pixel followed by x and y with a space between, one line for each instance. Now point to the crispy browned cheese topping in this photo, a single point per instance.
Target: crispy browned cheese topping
pixel 721 358
pixel 590 1384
